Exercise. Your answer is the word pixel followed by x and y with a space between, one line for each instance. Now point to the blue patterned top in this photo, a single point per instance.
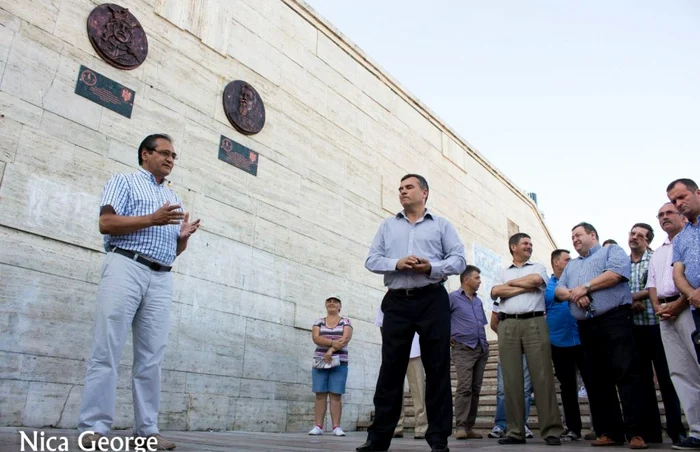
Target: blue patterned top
pixel 138 194
pixel 686 249
pixel 584 268
pixel 563 329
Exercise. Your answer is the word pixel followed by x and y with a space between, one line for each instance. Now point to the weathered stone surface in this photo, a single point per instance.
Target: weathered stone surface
pixel 259 415
pixel 339 135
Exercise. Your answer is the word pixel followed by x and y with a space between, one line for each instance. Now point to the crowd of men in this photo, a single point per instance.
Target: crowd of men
pixel 620 321
pixel 624 323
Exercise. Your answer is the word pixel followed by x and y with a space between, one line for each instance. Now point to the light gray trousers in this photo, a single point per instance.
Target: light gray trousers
pixel 683 364
pixel 130 295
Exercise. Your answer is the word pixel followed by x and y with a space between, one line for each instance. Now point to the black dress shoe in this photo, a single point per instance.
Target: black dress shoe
pixel 440 449
pixel 511 440
pixel 369 446
pixel 552 441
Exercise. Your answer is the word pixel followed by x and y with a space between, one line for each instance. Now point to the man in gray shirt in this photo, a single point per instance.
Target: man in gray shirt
pixel 595 285
pixel 522 328
pixel 416 251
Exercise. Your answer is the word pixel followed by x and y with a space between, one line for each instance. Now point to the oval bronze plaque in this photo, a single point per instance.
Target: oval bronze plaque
pixel 244 108
pixel 117 36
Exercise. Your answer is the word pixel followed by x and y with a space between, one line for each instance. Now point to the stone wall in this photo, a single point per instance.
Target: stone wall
pixel 339 135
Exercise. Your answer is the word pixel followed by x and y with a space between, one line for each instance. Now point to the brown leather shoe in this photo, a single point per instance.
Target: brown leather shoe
pixel 461 434
pixel 638 443
pixel 162 444
pixel 605 440
pixel 471 434
pixel 89 442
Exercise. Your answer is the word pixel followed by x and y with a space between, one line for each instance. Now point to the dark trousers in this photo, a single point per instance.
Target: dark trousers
pixel 651 352
pixel 612 360
pixel 428 314
pixel 566 360
pixel 696 318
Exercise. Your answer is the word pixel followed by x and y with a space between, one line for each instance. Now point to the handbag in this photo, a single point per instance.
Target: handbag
pixel 320 363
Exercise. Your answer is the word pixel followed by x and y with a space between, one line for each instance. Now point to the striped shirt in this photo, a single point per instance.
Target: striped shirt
pixel 335 333
pixel 639 273
pixel 581 270
pixel 661 271
pixel 138 194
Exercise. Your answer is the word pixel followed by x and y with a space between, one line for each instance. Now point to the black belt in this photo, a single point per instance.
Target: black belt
pixel 669 299
pixel 141 260
pixel 524 315
pixel 415 290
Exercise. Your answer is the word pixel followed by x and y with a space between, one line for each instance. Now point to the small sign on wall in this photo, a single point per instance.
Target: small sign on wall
pixel 104 91
pixel 238 155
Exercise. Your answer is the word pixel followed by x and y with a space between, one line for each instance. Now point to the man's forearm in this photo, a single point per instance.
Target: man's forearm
pixel 181 245
pixel 114 224
pixel 605 280
pixel 526 282
pixel 561 294
pixel 503 291
pixel 640 296
pixel 680 281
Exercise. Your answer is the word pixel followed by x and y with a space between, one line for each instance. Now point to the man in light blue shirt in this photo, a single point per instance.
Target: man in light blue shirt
pixel 416 251
pixel 144 231
pixel 595 285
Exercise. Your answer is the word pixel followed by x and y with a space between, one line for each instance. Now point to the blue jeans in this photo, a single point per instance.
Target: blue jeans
pixel 500 418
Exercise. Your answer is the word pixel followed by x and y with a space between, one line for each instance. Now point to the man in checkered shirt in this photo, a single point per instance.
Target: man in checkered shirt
pixel 647 335
pixel 145 229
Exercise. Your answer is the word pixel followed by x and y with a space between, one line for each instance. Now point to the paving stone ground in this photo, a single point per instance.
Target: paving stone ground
pixel 10 441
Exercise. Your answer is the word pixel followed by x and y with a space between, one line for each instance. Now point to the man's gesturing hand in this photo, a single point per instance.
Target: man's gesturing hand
pixel 167 214
pixel 187 228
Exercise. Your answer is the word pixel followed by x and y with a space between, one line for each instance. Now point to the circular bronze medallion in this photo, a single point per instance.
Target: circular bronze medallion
pixel 117 36
pixel 244 108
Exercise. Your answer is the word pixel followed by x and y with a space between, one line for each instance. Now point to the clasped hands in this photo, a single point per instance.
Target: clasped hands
pixel 337 344
pixel 414 263
pixel 579 295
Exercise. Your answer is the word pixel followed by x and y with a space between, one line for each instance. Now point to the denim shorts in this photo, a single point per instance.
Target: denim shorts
pixel 329 380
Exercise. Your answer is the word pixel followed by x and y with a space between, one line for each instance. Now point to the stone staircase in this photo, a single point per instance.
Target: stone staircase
pixel 487 402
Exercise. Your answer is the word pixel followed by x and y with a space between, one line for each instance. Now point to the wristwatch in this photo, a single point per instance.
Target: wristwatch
pixel 587 286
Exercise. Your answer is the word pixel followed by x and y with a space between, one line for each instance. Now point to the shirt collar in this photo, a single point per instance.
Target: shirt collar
pixel 147 174
pixel 592 251
pixel 524 265
pixel 554 277
pixel 466 296
pixel 644 257
pixel 427 214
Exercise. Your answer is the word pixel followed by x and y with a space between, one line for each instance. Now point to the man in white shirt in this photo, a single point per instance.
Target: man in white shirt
pixel 416 386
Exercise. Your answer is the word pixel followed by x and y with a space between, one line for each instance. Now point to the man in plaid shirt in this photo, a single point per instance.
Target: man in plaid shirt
pixel 647 334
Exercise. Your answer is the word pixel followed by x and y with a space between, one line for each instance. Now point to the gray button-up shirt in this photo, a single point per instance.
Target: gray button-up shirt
pixel 584 268
pixel 526 302
pixel 432 237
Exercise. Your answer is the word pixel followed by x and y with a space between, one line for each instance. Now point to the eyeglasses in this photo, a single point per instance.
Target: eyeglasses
pixel 165 154
pixel 668 213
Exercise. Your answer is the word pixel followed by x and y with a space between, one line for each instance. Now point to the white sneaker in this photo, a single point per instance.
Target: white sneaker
pixel 582 393
pixel 496 432
pixel 338 431
pixel 528 433
pixel 316 430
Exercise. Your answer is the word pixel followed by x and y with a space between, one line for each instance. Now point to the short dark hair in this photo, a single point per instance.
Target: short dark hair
pixel 422 183
pixel 650 230
pixel 558 252
pixel 609 242
pixel 689 184
pixel 515 239
pixel 588 228
pixel 468 271
pixel 149 143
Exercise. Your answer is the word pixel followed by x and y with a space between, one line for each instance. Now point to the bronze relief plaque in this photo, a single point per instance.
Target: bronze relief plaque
pixel 244 108
pixel 117 36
